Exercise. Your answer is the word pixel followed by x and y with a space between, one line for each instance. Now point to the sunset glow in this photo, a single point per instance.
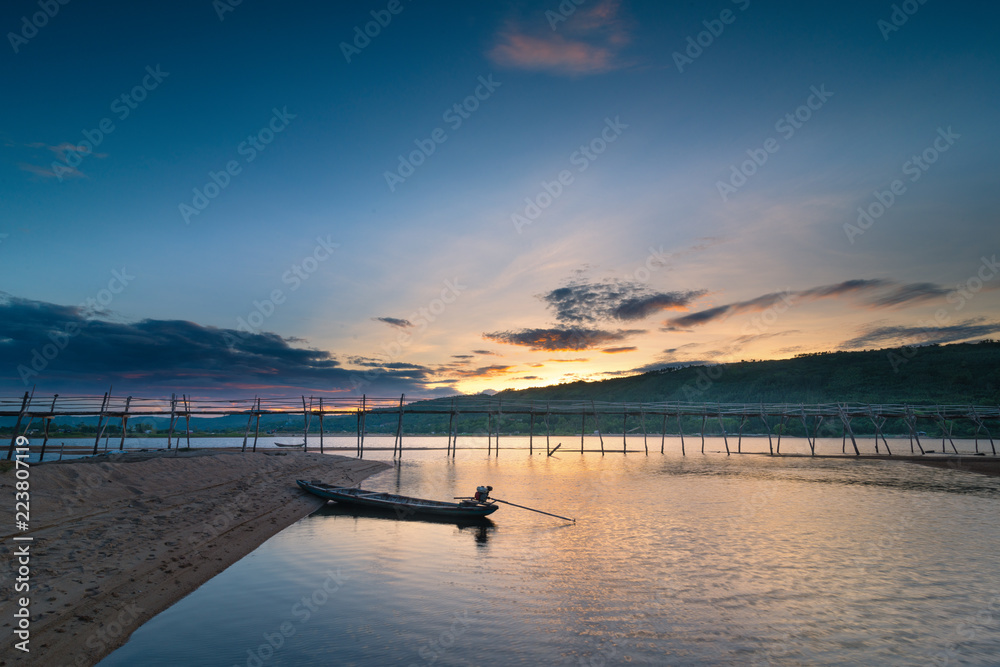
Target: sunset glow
pixel 464 198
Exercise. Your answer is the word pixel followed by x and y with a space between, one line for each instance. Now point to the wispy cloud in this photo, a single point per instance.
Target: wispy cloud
pixel 618 350
pixel 61 152
pixel 494 370
pixel 673 350
pixel 892 294
pixel 65 172
pixel 589 41
pixel 907 294
pixel 554 54
pixel 739 341
pixel 394 322
pixel 904 335
pixel 733 347
pixel 403 366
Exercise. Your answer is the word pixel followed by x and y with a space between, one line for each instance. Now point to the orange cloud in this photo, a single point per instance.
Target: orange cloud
pixel 68 172
pixel 555 54
pixel 587 42
pixel 481 372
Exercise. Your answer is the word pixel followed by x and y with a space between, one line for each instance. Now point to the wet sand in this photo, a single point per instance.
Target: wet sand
pixel 979 464
pixel 118 539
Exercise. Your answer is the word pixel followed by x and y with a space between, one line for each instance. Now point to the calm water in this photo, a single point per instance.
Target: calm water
pixel 702 560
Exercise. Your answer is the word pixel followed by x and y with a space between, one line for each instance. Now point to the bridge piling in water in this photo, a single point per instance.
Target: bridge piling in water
pixel 391 415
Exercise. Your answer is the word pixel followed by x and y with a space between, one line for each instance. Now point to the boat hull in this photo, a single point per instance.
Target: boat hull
pixel 402 505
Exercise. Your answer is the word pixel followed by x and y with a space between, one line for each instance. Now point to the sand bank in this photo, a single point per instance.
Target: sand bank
pixel 119 538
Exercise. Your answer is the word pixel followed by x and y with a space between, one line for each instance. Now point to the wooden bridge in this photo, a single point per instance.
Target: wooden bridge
pixel 773 416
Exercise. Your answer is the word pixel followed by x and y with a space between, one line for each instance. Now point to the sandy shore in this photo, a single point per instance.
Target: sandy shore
pixel 120 538
pixel 982 465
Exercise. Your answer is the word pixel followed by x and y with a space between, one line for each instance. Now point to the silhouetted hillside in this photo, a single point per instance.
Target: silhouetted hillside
pixel 946 374
pixel 959 374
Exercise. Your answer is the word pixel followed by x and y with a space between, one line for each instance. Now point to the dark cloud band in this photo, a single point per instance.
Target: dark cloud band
pixel 64 348
pixel 892 294
pixel 556 339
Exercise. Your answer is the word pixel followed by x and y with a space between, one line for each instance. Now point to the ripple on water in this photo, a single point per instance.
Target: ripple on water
pixel 703 560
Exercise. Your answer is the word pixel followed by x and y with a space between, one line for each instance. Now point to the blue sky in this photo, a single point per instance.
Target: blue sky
pixel 448 279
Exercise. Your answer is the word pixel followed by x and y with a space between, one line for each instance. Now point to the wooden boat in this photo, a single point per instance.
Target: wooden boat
pixel 402 505
pixel 356 511
pixel 289 444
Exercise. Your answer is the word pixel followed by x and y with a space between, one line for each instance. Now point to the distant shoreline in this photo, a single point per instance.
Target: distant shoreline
pixel 115 438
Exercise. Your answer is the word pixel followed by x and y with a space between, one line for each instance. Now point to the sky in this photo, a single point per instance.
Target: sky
pixel 232 199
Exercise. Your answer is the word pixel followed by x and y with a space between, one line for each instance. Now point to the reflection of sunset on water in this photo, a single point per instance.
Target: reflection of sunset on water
pixel 699 559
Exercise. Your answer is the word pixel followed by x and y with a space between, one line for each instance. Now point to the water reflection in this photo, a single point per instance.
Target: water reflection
pixel 480 527
pixel 701 560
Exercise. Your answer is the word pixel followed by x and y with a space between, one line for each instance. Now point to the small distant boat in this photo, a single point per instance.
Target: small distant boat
pixel 289 444
pixel 403 505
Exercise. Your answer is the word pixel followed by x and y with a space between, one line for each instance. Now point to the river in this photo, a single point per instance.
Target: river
pixel 694 560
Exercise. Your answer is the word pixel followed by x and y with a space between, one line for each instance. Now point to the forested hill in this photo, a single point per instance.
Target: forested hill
pixel 960 374
pixel 967 373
